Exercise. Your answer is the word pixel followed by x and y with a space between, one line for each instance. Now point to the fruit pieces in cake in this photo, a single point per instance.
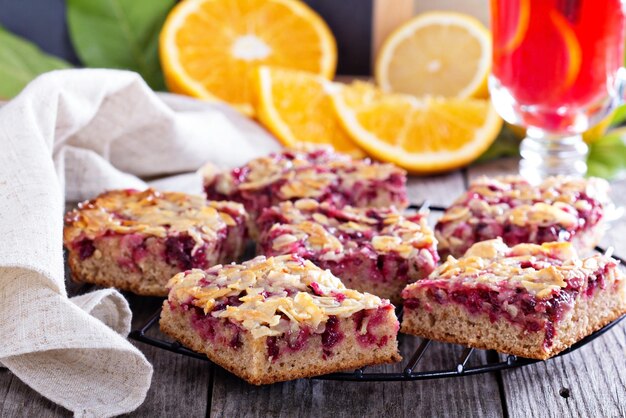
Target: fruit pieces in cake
pixel 278 318
pixel 558 209
pixel 372 250
pixel 528 300
pixel 315 172
pixel 137 240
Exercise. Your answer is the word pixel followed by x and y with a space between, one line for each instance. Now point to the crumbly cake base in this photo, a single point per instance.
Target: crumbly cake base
pixel 388 290
pixel 586 241
pixel 150 275
pixel 250 361
pixel 360 279
pixel 148 278
pixel 452 323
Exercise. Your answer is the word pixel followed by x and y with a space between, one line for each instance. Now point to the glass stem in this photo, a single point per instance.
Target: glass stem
pixel 545 154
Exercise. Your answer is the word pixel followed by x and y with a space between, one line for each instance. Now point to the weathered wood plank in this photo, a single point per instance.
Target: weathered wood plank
pixel 468 396
pixel 438 190
pixel 493 168
pixel 475 396
pixel 180 385
pixel 590 381
pixel 5 381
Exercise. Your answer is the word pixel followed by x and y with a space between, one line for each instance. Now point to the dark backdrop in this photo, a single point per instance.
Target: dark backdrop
pixel 43 22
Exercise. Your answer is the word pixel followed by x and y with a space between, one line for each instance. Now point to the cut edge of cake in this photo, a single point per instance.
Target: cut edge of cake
pixel 437 308
pixel 455 325
pixel 144 262
pixel 255 368
pixel 279 318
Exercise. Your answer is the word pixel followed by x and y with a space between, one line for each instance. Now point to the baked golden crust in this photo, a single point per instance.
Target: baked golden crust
pixel 539 269
pixel 268 289
pixel 333 231
pixel 305 172
pixel 374 250
pixel 151 212
pixel 314 172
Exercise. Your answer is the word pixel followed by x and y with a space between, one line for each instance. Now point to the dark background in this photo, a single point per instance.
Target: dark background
pixel 43 22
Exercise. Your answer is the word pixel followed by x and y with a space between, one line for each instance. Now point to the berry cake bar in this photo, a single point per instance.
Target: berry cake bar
pixel 529 300
pixel 313 172
pixel 279 318
pixel 137 240
pixel 371 250
pixel 559 209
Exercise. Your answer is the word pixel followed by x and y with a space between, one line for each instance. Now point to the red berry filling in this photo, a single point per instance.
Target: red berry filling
pixel 296 340
pixel 368 327
pixel 292 341
pixel 361 193
pixel 272 348
pixel 216 330
pixel 332 335
pixel 516 305
pixel 179 252
pixel 484 228
pixel 85 248
pixel 361 259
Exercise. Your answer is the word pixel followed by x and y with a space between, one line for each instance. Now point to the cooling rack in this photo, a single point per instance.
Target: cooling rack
pixel 408 370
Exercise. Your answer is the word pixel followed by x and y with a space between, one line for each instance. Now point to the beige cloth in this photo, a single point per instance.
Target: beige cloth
pixel 97 129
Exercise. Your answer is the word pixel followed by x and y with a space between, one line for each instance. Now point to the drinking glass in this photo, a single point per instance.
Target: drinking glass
pixel 557 71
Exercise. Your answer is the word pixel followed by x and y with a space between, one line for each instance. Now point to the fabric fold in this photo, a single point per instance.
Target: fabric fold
pixel 68 136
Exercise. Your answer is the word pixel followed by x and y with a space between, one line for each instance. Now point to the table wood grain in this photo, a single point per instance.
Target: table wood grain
pixel 589 382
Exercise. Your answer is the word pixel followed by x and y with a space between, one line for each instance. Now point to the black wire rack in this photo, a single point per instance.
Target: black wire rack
pixel 409 370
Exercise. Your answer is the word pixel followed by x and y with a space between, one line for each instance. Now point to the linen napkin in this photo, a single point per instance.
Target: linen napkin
pixel 70 135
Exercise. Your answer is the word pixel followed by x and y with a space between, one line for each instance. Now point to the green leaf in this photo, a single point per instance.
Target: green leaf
pixel 505 145
pixel 620 116
pixel 119 34
pixel 607 156
pixel 20 62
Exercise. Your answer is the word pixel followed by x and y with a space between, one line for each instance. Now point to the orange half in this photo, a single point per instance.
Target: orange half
pixel 210 49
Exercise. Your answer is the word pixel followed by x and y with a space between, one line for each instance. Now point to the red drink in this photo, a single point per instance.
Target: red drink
pixel 558 60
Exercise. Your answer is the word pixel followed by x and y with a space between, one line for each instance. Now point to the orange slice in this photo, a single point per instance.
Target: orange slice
pixel 436 53
pixel 209 49
pixel 296 106
pixel 572 46
pixel 519 13
pixel 421 135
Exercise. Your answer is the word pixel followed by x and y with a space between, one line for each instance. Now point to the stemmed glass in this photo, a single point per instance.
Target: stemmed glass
pixel 557 71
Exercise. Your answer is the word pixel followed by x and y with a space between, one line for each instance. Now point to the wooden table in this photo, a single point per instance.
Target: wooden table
pixel 589 382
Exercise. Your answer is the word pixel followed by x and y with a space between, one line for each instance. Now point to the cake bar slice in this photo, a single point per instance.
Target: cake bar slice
pixel 309 172
pixel 137 240
pixel 558 209
pixel 372 250
pixel 529 300
pixel 278 318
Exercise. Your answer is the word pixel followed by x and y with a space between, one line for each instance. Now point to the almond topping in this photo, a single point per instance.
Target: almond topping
pixel 268 288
